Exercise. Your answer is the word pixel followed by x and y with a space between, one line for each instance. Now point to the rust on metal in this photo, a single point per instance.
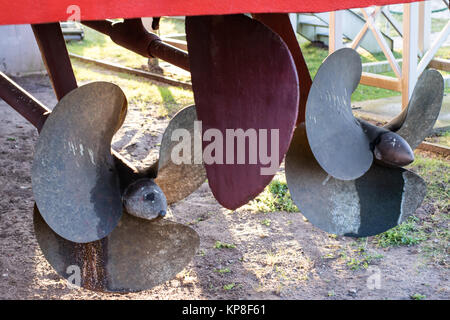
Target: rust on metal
pixel 138 255
pixel 92 259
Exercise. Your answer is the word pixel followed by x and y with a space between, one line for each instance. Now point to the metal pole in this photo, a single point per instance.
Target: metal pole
pixel 53 48
pixel 30 108
pixel 132 35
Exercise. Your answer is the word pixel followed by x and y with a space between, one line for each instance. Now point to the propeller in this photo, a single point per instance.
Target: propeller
pixel 137 255
pixel 379 200
pixel 80 188
pixel 244 79
pixel 73 174
pixel 94 211
pixel 343 145
pixel 330 170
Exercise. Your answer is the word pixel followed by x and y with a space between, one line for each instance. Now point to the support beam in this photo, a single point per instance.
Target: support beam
pixel 397 26
pixel 426 59
pixel 424 26
pixel 293 17
pixel 381 81
pixel 410 50
pixel 24 103
pixel 132 35
pixel 336 31
pixel 357 40
pixel 53 48
pixel 383 44
pixel 440 64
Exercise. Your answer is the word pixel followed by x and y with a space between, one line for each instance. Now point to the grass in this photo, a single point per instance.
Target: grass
pixel 138 91
pixel 275 197
pixel 357 256
pixel 405 234
pixel 438 24
pixel 229 286
pixel 224 245
pixel 418 296
pixel 429 231
pixel 222 271
pixel 435 171
pixel 98 46
pixel 435 224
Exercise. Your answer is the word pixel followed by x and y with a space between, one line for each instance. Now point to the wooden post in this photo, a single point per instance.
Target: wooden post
pixel 294 21
pixel 410 50
pixel 335 38
pixel 424 26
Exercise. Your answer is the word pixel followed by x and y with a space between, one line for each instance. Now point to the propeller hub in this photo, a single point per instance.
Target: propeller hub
pixel 145 199
pixel 392 149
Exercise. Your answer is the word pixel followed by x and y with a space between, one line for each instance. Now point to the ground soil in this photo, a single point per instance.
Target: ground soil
pixel 288 259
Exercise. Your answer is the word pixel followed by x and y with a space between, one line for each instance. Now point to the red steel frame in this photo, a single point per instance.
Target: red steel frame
pixel 31 11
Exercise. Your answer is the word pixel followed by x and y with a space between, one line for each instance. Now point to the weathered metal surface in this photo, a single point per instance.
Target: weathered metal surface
pixel 243 77
pixel 24 103
pixel 281 24
pixel 138 255
pixel 379 200
pixel 131 34
pixel 53 48
pixel 335 136
pixel 416 121
pixel 387 146
pixel 145 199
pixel 74 180
pixel 178 180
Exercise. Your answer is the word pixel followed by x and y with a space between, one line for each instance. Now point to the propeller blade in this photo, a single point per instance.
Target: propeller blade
pixel 74 179
pixel 178 180
pixel 243 77
pixel 138 255
pixel 379 200
pixel 336 138
pixel 416 121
